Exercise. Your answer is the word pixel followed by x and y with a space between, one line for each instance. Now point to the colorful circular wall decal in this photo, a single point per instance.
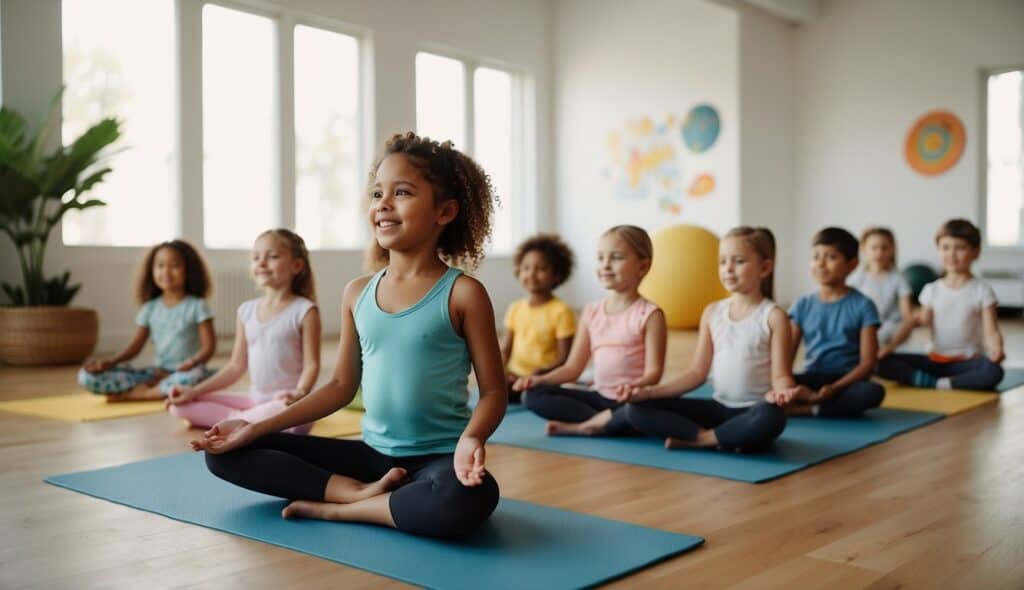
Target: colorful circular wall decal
pixel 700 130
pixel 935 143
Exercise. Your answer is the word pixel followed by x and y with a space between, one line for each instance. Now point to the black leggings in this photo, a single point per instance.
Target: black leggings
pixel 974 373
pixel 574 405
pixel 849 401
pixel 739 429
pixel 432 502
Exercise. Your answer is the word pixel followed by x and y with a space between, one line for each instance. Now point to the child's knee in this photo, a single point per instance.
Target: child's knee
pixel 993 373
pixel 770 417
pixel 873 393
pixel 452 510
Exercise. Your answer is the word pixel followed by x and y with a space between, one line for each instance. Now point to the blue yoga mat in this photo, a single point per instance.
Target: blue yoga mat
pixel 805 442
pixel 1013 377
pixel 523 545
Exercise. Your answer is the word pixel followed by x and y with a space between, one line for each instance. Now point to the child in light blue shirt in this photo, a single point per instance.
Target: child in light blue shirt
pixel 172 284
pixel 839 326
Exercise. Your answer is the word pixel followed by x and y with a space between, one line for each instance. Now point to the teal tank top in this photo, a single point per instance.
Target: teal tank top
pixel 415 372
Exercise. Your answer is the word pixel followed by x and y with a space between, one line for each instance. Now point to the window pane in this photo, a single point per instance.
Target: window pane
pixel 327 193
pixel 125 72
pixel 240 169
pixel 1006 159
pixel 441 98
pixel 493 143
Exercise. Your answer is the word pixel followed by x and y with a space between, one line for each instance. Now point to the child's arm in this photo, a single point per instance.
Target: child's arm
pixel 131 351
pixel 569 371
pixel 863 370
pixel 563 346
pixel 227 376
pixel 310 356
pixel 655 337
pixel 506 346
pixel 795 336
pixel 207 346
pixel 470 299
pixel 993 337
pixel 907 323
pixel 336 393
pixel 693 378
pixel 784 386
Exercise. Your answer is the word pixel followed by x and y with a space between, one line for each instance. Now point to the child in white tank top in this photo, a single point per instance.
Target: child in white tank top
pixel 743 346
pixel 277 339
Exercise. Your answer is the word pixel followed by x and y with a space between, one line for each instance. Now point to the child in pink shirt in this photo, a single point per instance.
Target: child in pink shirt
pixel 624 333
pixel 277 339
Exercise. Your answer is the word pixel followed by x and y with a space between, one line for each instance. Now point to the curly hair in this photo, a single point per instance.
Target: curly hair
pixel 197 277
pixel 554 250
pixel 302 283
pixel 452 175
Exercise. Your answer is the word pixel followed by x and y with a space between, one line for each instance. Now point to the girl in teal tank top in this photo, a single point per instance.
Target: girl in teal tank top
pixel 409 335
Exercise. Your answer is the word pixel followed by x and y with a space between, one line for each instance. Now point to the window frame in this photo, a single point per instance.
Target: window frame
pixel 188 99
pixel 984 76
pixel 521 129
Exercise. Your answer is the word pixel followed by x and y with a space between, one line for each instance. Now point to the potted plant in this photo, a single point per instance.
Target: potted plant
pixel 37 187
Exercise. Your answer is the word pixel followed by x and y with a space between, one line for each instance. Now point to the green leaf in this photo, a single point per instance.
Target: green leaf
pixel 14 293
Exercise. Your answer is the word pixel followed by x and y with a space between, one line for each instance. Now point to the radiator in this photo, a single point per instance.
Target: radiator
pixel 230 289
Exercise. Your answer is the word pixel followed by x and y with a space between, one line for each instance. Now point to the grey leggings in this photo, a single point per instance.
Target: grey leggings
pixel 432 502
pixel 740 429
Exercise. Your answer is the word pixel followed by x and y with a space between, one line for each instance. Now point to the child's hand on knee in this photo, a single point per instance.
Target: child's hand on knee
pixel 523 383
pixel 98 365
pixel 627 392
pixel 180 394
pixel 292 395
pixel 469 461
pixel 997 355
pixel 784 397
pixel 226 435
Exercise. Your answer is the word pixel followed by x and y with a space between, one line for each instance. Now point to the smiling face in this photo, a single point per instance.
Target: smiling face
pixel 619 268
pixel 272 265
pixel 403 210
pixel 535 273
pixel 169 270
pixel 829 266
pixel 740 268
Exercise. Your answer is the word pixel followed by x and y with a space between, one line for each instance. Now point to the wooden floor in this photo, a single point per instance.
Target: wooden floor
pixel 942 506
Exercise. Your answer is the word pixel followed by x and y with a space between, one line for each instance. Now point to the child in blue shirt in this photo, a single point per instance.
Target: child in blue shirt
pixel 839 325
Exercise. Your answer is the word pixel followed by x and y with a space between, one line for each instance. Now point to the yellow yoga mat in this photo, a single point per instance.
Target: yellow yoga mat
pixel 340 423
pixel 949 402
pixel 80 407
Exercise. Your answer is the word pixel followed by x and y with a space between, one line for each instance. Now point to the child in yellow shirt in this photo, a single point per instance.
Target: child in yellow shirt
pixel 538 328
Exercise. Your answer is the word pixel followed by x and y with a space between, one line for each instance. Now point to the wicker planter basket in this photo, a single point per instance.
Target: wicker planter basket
pixel 47 335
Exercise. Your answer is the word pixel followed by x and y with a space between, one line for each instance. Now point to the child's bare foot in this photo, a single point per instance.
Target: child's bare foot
pixel 345 490
pixel 314 510
pixel 141 393
pixel 591 427
pixel 706 439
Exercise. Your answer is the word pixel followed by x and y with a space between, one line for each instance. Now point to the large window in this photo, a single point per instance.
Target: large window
pixel 262 76
pixel 479 109
pixel 240 130
pixel 328 190
pixel 113 70
pixel 1004 199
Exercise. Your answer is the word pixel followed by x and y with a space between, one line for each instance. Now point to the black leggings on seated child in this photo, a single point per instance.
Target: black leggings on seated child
pixel 741 429
pixel 850 401
pixel 432 502
pixel 565 404
pixel 918 370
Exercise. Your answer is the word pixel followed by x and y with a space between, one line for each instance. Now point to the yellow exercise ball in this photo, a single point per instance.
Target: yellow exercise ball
pixel 684 275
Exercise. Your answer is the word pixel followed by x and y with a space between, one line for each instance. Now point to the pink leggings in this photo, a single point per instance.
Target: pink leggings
pixel 211 408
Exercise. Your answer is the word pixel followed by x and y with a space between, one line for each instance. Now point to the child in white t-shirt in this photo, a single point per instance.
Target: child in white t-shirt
pixel 967 347
pixel 882 282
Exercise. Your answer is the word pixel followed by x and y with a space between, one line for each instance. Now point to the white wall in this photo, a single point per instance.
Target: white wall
pixel 615 62
pixel 399 28
pixel 767 138
pixel 866 70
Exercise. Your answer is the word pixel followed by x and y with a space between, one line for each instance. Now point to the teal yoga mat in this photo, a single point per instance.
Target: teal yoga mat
pixel 1014 377
pixel 805 442
pixel 523 545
